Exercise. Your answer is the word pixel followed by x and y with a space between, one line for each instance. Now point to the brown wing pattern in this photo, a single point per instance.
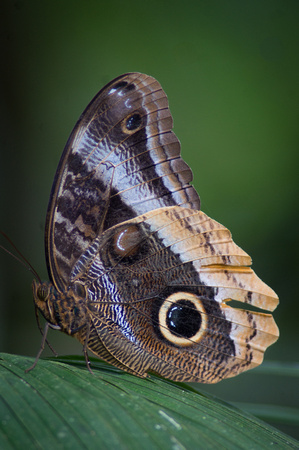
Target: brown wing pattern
pixel 121 160
pixel 178 256
pixel 138 274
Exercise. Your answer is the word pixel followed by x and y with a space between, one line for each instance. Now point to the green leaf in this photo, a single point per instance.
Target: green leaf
pixel 61 405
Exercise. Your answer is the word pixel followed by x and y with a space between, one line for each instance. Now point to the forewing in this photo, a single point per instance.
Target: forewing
pixel 121 160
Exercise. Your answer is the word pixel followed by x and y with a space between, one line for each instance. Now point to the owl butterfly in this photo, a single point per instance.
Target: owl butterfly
pixel 139 275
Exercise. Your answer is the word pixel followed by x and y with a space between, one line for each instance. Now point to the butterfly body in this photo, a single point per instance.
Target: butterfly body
pixel 139 275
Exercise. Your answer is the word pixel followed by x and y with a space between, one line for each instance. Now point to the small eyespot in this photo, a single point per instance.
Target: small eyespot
pixel 182 319
pixel 132 123
pixel 126 241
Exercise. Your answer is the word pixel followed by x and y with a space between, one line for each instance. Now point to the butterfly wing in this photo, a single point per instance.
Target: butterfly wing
pixel 160 288
pixel 121 160
pixel 126 242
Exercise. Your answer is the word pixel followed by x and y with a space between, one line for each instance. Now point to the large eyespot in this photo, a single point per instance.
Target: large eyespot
pixel 132 123
pixel 182 319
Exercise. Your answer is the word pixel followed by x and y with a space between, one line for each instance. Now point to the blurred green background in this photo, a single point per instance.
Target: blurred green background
pixel 230 70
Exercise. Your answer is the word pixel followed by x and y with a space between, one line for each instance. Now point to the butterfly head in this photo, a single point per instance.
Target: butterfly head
pixel 65 312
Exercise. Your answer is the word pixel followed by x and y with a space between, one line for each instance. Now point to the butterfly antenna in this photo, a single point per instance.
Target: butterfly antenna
pixel 22 258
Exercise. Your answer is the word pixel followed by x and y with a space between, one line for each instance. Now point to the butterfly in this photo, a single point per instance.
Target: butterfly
pixel 138 273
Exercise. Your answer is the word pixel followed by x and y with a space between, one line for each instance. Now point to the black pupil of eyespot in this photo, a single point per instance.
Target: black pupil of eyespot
pixel 183 319
pixel 133 122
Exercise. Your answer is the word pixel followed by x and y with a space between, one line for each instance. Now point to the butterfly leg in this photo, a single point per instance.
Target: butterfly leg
pixel 85 349
pixel 44 340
